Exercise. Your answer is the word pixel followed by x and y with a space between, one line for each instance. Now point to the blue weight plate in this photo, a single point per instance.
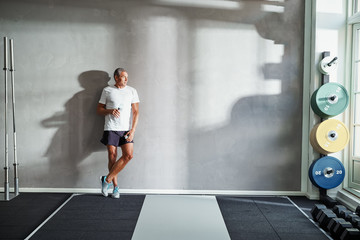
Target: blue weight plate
pixel 327 172
pixel 310 175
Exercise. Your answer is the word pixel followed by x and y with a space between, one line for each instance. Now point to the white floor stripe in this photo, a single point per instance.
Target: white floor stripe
pixel 165 217
pixel 43 223
pixel 328 236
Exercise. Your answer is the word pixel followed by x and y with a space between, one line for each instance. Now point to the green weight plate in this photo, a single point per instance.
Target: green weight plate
pixel 329 100
pixel 314 104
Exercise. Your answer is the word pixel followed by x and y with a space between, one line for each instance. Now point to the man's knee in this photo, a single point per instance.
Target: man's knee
pixel 128 156
pixel 112 156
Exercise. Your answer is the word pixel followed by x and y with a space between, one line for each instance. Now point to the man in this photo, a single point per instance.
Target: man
pixel 116 104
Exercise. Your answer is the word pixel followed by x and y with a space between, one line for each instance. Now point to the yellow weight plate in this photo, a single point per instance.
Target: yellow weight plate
pixel 329 136
pixel 313 138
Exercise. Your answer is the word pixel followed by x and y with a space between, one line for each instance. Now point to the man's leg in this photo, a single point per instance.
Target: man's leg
pixel 112 156
pixel 127 155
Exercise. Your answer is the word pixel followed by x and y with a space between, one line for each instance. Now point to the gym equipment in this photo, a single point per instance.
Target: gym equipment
pixel 352 218
pixel 326 137
pixel 315 210
pixel 327 65
pixel 327 172
pixel 321 212
pixel 328 201
pixel 357 211
pixel 325 218
pixel 329 136
pixel 340 228
pixel 350 234
pixel 6 167
pixel 12 74
pixel 338 208
pixel 332 223
pixel 329 100
pixel 339 221
pixel 356 223
pixel 344 213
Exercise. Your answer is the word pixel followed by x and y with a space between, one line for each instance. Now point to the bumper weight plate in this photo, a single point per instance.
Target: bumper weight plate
pixel 329 100
pixel 329 136
pixel 327 172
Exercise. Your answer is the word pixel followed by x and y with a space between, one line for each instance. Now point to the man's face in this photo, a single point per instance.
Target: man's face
pixel 122 79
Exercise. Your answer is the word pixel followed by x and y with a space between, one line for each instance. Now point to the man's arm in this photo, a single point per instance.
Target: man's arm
pixel 135 112
pixel 101 110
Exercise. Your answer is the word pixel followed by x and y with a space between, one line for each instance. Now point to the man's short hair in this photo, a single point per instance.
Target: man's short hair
pixel 118 71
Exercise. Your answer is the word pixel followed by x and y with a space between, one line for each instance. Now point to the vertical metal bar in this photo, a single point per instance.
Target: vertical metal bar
pixel 12 72
pixel 324 80
pixel 324 77
pixel 6 168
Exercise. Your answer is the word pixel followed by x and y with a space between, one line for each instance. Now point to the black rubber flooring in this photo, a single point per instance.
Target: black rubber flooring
pixel 92 216
pixel 270 218
pixel 20 216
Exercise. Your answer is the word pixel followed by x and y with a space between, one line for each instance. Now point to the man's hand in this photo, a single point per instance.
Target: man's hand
pixel 101 110
pixel 130 136
pixel 115 113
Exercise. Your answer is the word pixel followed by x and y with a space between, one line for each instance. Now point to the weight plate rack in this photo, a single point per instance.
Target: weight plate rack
pixel 330 135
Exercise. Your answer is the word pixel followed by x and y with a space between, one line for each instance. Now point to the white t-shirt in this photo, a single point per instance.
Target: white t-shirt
pixel 118 98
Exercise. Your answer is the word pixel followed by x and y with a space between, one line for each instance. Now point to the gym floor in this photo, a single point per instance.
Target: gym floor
pixel 92 216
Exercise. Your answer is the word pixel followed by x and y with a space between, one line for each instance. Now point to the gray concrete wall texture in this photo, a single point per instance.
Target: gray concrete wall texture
pixel 220 84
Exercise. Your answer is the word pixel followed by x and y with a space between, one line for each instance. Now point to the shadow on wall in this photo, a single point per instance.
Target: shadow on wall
pixel 79 129
pixel 265 151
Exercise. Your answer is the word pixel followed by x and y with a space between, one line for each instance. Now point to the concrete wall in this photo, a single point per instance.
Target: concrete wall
pixel 220 84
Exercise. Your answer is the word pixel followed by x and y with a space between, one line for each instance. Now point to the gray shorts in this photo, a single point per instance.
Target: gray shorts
pixel 114 138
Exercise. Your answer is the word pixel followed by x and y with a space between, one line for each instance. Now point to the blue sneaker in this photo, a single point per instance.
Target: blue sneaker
pixel 116 193
pixel 104 186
